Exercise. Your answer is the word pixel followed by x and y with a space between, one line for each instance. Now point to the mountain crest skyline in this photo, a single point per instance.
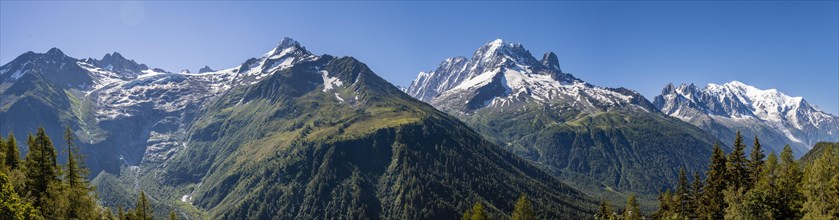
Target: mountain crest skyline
pixel 489 50
pixel 501 78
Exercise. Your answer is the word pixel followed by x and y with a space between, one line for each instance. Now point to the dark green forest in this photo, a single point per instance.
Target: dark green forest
pixel 753 186
pixel 37 187
pixel 737 185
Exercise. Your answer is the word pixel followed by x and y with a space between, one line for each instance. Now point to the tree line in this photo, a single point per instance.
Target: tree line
pixel 37 187
pixel 757 187
pixel 522 211
pixel 734 187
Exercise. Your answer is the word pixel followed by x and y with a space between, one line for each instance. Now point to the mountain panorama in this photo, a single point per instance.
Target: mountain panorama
pixel 503 75
pixel 295 135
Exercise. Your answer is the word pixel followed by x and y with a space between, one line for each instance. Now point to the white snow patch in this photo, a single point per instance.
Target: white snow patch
pixel 329 82
pixel 338 97
pixel 17 74
pixel 477 81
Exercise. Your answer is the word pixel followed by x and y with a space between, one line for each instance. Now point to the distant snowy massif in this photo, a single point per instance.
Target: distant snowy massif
pixel 505 75
pixel 775 117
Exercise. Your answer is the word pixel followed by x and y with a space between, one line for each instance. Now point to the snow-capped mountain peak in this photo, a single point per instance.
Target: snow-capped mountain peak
pixel 496 55
pixel 288 42
pixel 504 74
pixel 286 46
pixel 284 55
pixel 182 88
pixel 498 51
pixel 737 99
pixel 753 94
pixel 735 104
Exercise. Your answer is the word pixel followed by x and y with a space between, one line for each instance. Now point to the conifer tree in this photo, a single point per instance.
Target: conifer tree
pixel 779 190
pixel 143 210
pixel 476 213
pixel 695 195
pixel 55 205
pixel 734 198
pixel 769 173
pixel 713 200
pixel 834 189
pixel 11 205
pixel 739 181
pixel 523 210
pixel 737 165
pixel 632 211
pixel 789 185
pixel 172 215
pixel 12 152
pixel 3 154
pixel 821 200
pixel 120 213
pixel 605 211
pixel 75 171
pixel 682 197
pixel 81 204
pixel 665 205
pixel 107 214
pixel 41 167
pixel 762 201
pixel 755 163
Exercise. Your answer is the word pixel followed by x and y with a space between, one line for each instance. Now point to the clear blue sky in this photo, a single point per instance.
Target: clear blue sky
pixel 791 46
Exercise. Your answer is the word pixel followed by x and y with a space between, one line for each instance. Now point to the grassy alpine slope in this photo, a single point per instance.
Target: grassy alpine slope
pixel 302 145
pixel 605 154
